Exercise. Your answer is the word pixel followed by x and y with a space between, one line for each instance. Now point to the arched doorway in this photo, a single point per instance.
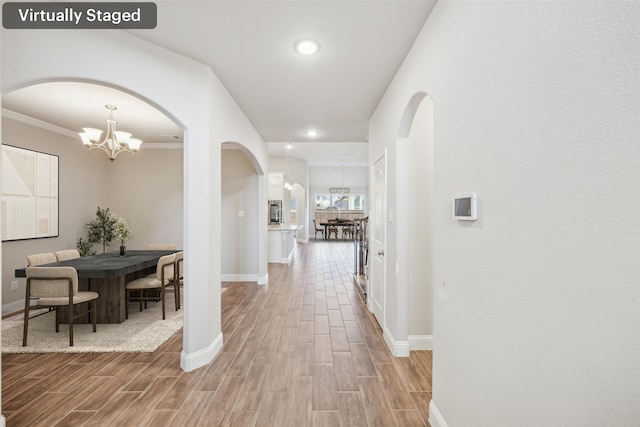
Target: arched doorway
pixel 415 209
pixel 145 188
pixel 243 216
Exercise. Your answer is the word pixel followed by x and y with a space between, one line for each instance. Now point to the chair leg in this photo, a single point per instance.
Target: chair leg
pixel 95 313
pixel 141 297
pixel 70 325
pixel 126 304
pixel 26 320
pixel 176 293
pixel 162 296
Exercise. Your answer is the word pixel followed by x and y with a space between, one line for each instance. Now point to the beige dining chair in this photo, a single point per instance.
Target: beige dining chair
pixel 67 254
pixel 39 259
pixel 53 287
pixel 161 247
pixel 165 275
pixel 179 279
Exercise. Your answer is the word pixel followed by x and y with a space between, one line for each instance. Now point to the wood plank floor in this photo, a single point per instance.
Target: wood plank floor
pixel 302 351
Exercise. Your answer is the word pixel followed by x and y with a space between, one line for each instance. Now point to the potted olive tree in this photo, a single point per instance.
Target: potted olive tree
pixel 85 247
pixel 102 229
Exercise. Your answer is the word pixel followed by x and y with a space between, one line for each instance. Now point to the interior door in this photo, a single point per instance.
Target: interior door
pixel 377 282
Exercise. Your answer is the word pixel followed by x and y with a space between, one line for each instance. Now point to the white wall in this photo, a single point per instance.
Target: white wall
pixel 332 176
pixel 239 193
pixel 301 194
pixel 147 189
pixel 536 108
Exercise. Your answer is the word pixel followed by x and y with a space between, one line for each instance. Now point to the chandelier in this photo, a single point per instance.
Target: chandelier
pixel 114 141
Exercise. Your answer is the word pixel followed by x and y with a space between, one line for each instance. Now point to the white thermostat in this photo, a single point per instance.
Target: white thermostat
pixel 465 207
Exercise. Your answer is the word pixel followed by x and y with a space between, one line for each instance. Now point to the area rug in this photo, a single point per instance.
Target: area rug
pixel 143 331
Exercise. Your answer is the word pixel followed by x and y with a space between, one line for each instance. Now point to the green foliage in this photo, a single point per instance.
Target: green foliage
pixel 85 247
pixel 102 229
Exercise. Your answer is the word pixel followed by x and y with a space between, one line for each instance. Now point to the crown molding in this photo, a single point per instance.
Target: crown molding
pixel 10 114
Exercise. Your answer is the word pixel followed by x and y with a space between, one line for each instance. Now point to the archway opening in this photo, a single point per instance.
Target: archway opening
pixel 241 210
pixel 415 209
pixel 146 188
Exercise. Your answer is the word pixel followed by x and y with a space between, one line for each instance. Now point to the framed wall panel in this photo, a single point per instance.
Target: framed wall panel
pixel 29 194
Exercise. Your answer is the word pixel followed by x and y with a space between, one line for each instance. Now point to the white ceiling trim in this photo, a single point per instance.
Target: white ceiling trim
pixel 9 114
pixel 163 145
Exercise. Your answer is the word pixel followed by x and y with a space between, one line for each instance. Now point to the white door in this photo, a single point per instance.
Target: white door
pixel 377 282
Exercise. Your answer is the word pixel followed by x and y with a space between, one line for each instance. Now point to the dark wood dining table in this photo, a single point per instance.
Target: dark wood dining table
pixel 107 275
pixel 334 223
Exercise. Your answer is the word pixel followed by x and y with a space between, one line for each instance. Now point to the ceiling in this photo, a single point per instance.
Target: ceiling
pixel 249 45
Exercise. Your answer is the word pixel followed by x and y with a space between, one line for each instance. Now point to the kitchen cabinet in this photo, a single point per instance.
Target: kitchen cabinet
pixel 275 191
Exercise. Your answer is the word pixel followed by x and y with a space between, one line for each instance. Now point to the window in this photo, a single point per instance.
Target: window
pixel 347 206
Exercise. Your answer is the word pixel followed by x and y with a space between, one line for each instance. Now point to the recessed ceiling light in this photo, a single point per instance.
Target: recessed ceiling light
pixel 307 46
pixel 312 133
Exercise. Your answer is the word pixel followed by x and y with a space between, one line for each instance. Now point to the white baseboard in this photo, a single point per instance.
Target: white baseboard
pixel 435 417
pixel 12 307
pixel 420 342
pixel 192 361
pixel 239 277
pixel 398 348
pixel 288 259
pixel 263 280
pixel 3 421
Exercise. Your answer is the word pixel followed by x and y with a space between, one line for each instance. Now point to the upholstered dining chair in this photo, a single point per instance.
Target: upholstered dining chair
pixel 39 259
pixel 67 254
pixel 165 275
pixel 317 230
pixel 161 247
pixel 53 287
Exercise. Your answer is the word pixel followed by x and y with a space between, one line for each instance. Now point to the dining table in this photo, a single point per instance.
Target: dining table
pixel 107 275
pixel 336 224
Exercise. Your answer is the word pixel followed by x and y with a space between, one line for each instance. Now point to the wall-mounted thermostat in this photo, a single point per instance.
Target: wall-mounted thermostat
pixel 465 207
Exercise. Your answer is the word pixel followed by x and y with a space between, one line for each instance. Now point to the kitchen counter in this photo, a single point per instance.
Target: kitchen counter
pixel 284 227
pixel 282 242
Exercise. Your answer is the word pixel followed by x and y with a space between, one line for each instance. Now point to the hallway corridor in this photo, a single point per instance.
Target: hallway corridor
pixel 301 351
